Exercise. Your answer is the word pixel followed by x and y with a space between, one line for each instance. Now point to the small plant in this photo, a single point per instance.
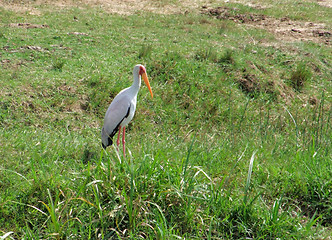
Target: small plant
pixel 300 76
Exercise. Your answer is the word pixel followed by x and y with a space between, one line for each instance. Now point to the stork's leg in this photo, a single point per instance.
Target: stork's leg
pixel 123 141
pixel 118 140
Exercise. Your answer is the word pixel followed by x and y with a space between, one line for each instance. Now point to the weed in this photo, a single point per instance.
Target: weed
pixel 300 76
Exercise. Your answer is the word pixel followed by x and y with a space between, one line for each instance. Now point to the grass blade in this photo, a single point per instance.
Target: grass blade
pixel 246 190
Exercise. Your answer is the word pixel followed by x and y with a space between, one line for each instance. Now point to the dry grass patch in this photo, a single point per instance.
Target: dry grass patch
pixel 125 7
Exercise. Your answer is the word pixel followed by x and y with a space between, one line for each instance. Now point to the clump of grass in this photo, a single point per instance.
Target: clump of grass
pixel 223 27
pixel 227 60
pixel 204 21
pixel 207 54
pixel 145 51
pixel 271 91
pixel 227 57
pixel 300 76
pixel 58 64
pixel 88 155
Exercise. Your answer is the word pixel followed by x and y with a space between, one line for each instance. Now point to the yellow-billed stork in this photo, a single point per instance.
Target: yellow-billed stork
pixel 122 109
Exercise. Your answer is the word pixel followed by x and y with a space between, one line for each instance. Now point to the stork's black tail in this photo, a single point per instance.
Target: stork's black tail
pixel 106 139
pixel 109 143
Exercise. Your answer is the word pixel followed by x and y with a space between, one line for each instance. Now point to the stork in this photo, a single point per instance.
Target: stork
pixel 122 109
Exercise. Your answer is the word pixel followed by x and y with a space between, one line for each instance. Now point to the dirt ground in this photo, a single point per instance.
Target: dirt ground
pixel 284 29
pixel 262 4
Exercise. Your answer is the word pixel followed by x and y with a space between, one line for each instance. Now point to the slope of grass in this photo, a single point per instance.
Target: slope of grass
pixel 227 148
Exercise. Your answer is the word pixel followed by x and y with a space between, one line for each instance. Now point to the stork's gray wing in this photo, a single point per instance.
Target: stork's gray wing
pixel 117 111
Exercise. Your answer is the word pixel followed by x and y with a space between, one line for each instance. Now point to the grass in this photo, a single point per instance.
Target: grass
pixel 300 76
pixel 228 148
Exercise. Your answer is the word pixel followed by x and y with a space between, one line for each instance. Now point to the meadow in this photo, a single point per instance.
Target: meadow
pixel 235 144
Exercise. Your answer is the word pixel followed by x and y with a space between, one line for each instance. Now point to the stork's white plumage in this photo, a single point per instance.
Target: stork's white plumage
pixel 122 109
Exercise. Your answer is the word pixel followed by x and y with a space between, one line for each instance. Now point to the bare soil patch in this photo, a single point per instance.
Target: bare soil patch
pixel 325 3
pixel 28 25
pixel 284 29
pixel 263 4
pixel 249 84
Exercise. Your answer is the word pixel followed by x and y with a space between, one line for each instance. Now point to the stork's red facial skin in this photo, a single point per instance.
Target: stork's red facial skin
pixel 142 70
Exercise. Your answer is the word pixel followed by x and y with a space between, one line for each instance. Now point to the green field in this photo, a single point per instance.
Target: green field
pixel 235 144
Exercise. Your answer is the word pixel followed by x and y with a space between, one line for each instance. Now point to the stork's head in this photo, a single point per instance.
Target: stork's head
pixel 142 72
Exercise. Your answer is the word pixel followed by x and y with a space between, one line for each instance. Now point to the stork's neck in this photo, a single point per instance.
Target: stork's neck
pixel 137 83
